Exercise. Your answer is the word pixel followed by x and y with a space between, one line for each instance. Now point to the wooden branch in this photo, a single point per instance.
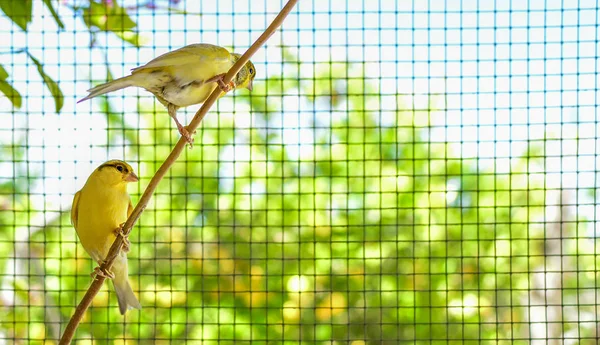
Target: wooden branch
pixel 162 171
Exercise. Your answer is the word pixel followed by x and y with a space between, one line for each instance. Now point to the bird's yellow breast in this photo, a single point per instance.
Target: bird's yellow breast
pixel 101 210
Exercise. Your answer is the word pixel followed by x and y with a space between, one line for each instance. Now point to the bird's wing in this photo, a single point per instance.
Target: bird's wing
pixel 193 54
pixel 129 208
pixel 75 209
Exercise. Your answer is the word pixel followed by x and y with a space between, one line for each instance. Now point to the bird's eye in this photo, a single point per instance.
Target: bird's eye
pixel 251 71
pixel 120 168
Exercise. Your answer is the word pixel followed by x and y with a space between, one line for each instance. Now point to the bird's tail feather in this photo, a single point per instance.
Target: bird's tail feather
pixel 125 294
pixel 111 86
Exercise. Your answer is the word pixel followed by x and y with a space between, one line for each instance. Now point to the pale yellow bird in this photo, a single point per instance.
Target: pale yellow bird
pixel 99 210
pixel 183 77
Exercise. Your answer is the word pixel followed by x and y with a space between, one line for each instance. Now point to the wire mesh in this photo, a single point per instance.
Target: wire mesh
pixel 412 172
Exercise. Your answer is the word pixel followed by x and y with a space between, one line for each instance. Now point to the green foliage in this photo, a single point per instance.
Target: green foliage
pixel 50 83
pixel 18 11
pixel 15 97
pixel 106 16
pixel 10 92
pixel 52 10
pixel 110 17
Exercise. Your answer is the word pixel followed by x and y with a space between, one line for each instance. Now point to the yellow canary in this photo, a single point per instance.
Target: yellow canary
pixel 99 210
pixel 183 77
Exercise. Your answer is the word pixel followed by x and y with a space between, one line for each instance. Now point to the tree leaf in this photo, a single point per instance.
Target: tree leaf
pixel 132 37
pixel 108 17
pixel 19 11
pixel 3 73
pixel 9 91
pixel 50 83
pixel 54 14
pixel 13 95
pixel 111 17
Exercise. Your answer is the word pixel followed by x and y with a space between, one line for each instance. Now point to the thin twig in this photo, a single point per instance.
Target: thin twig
pixel 162 171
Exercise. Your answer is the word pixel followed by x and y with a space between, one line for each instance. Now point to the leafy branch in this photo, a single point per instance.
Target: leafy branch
pixel 98 16
pixel 162 171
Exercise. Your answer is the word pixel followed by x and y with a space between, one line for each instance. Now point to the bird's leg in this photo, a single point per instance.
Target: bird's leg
pixel 219 80
pixel 98 271
pixel 182 130
pixel 119 232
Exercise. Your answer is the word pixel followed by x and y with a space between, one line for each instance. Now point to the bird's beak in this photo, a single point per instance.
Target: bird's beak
pixel 249 87
pixel 131 177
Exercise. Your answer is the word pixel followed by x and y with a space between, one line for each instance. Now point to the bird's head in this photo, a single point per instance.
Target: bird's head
pixel 246 75
pixel 115 172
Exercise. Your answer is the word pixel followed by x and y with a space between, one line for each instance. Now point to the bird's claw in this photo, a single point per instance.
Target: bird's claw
pixel 219 80
pixel 99 272
pixel 172 109
pixel 186 134
pixel 119 232
pixel 226 87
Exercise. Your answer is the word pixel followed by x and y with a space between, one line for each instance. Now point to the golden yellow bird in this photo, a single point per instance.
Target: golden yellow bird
pixel 183 77
pixel 99 210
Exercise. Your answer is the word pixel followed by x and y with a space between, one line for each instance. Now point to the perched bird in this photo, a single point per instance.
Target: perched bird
pixel 183 77
pixel 99 210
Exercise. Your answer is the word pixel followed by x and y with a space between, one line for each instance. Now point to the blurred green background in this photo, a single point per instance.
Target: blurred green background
pixel 324 207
